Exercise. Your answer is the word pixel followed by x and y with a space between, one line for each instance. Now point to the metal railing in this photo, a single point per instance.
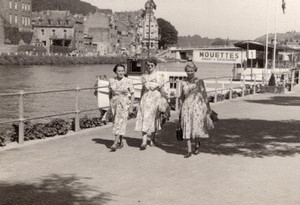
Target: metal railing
pixel 21 120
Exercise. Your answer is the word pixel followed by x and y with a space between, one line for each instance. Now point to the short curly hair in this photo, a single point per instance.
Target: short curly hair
pixel 152 60
pixel 118 65
pixel 190 65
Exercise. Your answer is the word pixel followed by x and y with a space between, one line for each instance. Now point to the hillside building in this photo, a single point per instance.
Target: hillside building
pixel 127 32
pixel 100 26
pixel 2 38
pixel 58 31
pixel 148 28
pixel 17 13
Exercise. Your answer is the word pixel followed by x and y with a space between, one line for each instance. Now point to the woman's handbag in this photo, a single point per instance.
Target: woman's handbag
pixel 209 122
pixel 214 116
pixel 211 119
pixel 179 134
pixel 163 105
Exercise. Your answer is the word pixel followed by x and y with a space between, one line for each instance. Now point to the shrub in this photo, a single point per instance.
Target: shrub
pixel 54 127
pixel 272 81
pixel 235 94
pixel 31 48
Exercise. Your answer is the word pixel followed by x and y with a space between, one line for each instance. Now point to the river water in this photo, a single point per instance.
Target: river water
pixel 40 78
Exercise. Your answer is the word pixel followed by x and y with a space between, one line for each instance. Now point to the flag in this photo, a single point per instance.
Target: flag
pixel 283 6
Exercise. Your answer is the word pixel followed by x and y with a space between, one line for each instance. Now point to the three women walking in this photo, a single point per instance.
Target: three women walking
pixel 194 110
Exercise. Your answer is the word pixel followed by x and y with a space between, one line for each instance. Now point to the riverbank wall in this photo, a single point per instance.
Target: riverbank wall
pixel 24 59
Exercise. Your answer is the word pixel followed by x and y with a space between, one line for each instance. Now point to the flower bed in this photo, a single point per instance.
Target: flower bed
pixel 53 128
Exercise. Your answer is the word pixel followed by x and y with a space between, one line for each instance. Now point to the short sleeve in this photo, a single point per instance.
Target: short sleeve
pixel 130 86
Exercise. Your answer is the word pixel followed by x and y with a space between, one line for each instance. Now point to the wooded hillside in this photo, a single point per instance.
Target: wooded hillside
pixel 74 6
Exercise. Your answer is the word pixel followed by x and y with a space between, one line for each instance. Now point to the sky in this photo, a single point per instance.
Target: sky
pixel 233 19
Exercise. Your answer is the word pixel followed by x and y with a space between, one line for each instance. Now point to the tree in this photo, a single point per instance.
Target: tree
pixel 168 33
pixel 220 42
pixel 74 6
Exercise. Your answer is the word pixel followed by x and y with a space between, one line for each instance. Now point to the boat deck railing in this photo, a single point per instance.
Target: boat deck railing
pixel 230 87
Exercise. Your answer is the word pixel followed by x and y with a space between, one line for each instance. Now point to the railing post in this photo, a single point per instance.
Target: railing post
pixel 216 91
pixel 177 95
pixel 243 86
pixel 77 125
pixel 293 80
pixel 230 91
pixel 254 87
pixel 21 117
pixel 178 92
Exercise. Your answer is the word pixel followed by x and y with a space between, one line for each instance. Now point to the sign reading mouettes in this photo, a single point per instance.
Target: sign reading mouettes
pixel 217 56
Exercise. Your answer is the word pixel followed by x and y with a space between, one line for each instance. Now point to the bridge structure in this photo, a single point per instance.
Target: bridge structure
pixel 251 157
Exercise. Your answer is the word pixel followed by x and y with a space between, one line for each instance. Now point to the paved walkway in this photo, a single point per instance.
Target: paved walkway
pixel 252 157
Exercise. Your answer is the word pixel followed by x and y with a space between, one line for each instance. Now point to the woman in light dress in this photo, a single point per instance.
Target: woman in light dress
pixel 194 109
pixel 148 117
pixel 121 97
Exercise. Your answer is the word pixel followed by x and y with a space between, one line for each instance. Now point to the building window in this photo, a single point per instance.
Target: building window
pixel 28 7
pixel 22 6
pixel 53 32
pixel 44 43
pixel 28 21
pixel 16 20
pixel 16 5
pixel 49 22
pixel 43 32
pixel 23 23
pixel 10 4
pixel 10 18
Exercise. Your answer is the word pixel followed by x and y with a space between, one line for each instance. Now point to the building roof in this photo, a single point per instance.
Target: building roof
pixel 255 45
pixel 54 18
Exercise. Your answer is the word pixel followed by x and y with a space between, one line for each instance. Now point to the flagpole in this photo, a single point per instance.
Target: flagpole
pixel 267 41
pixel 275 38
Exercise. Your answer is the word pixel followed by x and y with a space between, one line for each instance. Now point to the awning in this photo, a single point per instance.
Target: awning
pixel 255 45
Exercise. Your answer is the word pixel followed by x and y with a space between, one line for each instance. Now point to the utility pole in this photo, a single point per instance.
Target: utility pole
pixel 149 32
pixel 267 45
pixel 275 39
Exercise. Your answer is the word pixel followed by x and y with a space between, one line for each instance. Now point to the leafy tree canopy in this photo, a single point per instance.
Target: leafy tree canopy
pixel 168 33
pixel 74 6
pixel 220 42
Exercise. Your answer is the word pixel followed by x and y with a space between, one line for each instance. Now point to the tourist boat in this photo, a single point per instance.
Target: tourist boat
pixel 135 69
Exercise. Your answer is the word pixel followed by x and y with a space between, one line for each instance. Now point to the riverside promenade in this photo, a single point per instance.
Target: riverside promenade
pixel 252 157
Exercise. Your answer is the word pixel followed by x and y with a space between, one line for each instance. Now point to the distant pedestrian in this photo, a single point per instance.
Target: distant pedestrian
pixel 148 117
pixel 194 109
pixel 121 98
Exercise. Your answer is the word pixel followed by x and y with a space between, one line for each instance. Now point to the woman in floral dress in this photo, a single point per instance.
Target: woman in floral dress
pixel 194 109
pixel 120 88
pixel 148 117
